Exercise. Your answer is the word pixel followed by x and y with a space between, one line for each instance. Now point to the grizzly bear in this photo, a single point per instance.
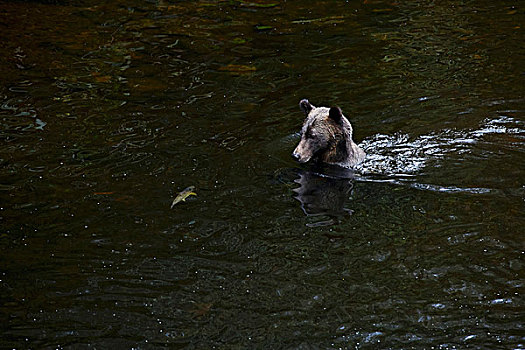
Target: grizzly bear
pixel 326 137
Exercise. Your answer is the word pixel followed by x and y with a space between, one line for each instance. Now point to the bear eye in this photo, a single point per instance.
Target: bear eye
pixel 309 134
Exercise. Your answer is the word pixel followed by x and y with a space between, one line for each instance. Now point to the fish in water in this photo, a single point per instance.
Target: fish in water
pixel 181 197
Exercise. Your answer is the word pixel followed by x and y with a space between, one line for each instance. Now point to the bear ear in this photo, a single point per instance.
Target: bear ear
pixel 336 114
pixel 305 106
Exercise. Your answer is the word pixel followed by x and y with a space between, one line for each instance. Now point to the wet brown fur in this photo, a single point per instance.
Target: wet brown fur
pixel 326 137
pixel 336 150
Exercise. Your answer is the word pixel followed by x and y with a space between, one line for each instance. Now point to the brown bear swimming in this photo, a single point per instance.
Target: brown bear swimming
pixel 326 137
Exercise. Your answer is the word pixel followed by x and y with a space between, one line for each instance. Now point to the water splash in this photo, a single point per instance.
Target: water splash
pixel 399 158
pixel 399 154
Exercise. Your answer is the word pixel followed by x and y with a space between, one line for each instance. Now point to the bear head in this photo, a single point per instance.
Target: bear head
pixel 326 136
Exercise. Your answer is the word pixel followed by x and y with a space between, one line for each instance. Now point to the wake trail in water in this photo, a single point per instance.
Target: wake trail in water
pixel 401 159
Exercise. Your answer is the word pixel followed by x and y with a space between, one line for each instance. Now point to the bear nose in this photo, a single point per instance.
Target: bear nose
pixel 296 155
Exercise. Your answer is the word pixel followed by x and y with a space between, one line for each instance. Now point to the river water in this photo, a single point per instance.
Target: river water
pixel 109 109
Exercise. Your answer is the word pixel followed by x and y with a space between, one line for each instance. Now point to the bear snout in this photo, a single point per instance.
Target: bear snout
pixel 298 158
pixel 301 154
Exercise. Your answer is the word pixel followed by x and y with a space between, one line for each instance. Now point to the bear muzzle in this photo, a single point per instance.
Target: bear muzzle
pixel 300 155
pixel 297 157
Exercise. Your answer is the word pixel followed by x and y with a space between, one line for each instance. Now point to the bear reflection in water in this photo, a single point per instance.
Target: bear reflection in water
pixel 323 191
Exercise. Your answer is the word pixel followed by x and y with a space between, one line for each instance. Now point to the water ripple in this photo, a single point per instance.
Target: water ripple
pixel 399 158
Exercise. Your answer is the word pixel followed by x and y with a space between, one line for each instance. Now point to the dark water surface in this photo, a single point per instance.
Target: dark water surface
pixel 109 109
